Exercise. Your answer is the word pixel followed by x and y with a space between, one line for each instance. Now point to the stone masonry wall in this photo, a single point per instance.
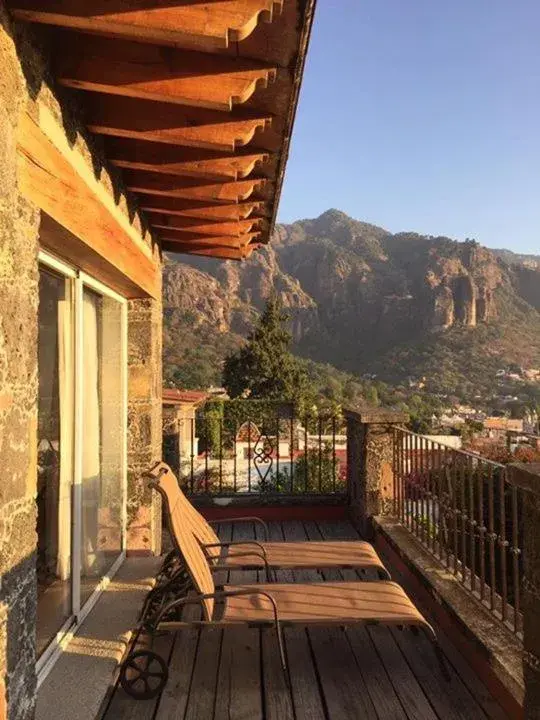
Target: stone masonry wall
pixel 144 423
pixel 370 454
pixel 25 82
pixel 377 472
pixel 18 404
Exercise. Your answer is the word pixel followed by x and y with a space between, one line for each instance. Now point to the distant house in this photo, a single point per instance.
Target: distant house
pixel 498 428
pixel 515 377
pixel 503 424
pixel 452 421
pixel 453 441
pixel 179 408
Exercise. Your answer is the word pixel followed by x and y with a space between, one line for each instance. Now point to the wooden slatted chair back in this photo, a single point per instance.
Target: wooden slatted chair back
pixel 199 526
pixel 202 530
pixel 181 528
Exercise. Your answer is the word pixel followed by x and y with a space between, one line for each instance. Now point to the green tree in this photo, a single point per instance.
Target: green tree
pixel 210 426
pixel 264 367
pixel 318 471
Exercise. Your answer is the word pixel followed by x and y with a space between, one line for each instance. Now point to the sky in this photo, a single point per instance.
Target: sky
pixel 422 115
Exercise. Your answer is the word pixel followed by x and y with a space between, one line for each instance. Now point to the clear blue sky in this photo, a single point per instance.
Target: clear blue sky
pixel 422 115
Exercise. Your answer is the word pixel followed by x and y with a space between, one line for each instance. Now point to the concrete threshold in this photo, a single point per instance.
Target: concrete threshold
pixel 78 683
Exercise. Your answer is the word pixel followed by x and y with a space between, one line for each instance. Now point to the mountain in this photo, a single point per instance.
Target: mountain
pixel 511 258
pixel 402 306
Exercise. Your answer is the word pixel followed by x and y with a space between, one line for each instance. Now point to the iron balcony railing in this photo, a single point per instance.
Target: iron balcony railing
pixel 464 511
pixel 249 447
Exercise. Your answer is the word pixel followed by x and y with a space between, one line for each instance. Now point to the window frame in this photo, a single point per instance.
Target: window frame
pixel 80 280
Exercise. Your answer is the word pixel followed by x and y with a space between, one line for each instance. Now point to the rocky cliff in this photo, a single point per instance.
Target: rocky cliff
pixel 367 300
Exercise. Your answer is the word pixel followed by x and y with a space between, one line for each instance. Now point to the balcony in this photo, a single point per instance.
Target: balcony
pixel 335 673
pixel 457 531
pixel 451 527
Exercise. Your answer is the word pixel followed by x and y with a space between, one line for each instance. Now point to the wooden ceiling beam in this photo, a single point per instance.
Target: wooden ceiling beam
pixel 217 252
pixel 175 125
pixel 200 25
pixel 202 210
pixel 86 225
pixel 233 240
pixel 191 188
pixel 174 160
pixel 183 77
pixel 171 222
pixel 205 242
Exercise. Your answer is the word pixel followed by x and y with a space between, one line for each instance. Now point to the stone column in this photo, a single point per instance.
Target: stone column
pixel 19 223
pixel 370 453
pixel 527 479
pixel 144 423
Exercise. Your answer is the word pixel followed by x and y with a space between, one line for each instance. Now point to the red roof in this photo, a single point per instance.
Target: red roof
pixel 191 397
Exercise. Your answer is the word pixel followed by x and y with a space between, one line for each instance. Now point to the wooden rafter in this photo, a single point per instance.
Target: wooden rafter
pixel 202 25
pixel 54 176
pixel 191 188
pixel 196 100
pixel 173 124
pixel 174 160
pixel 183 77
pixel 216 251
pixel 233 240
pixel 180 224
pixel 201 209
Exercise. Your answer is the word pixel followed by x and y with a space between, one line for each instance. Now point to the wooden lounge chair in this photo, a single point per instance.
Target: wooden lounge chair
pixel 255 555
pixel 144 673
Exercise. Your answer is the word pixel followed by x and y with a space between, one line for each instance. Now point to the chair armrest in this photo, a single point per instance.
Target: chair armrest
pixel 239 542
pixel 251 554
pixel 220 595
pixel 244 519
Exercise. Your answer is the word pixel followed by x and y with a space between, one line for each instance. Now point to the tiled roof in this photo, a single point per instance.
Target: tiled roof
pixel 191 397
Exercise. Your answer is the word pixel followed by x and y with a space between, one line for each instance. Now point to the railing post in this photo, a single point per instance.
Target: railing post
pixel 370 463
pixel 527 479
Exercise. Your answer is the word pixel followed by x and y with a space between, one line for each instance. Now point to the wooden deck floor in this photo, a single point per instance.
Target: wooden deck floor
pixel 338 674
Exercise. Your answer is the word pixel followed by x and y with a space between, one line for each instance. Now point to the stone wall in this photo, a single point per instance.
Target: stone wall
pixel 370 458
pixel 144 423
pixel 18 404
pixel 24 83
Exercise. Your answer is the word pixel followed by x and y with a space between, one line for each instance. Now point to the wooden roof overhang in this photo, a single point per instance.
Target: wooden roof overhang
pixel 195 100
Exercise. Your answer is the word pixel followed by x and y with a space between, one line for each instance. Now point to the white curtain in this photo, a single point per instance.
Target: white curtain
pixel 91 439
pixel 110 518
pixel 65 385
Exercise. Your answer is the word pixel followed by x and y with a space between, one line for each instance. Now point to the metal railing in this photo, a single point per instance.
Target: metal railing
pixel 465 512
pixel 253 447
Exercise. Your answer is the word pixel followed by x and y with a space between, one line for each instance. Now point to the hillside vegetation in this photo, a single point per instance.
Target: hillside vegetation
pixel 407 308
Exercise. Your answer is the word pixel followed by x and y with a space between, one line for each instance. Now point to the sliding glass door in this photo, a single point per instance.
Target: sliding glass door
pixel 55 455
pixel 82 424
pixel 103 445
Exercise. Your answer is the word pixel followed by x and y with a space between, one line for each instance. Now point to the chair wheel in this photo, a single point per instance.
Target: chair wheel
pixel 143 674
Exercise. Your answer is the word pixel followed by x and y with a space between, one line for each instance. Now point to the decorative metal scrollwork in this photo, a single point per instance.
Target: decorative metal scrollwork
pixel 263 457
